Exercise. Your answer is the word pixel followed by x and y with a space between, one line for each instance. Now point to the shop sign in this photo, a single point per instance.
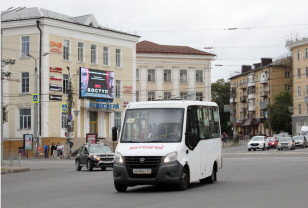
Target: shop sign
pixel 55 78
pixel 55 47
pixel 55 97
pixel 127 89
pixel 55 87
pixel 55 69
pixel 104 105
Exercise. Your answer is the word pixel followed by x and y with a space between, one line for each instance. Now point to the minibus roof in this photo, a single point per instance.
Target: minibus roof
pixel 168 104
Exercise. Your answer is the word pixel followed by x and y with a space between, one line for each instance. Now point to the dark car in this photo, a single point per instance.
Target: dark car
pixel 273 142
pixel 94 156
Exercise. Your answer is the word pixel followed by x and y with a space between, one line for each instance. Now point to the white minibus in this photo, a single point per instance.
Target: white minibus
pixel 168 142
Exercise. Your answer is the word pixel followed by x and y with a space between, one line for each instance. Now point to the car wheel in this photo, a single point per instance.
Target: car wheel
pixel 90 165
pixel 249 150
pixel 268 148
pixel 78 166
pixel 254 149
pixel 103 168
pixel 184 181
pixel 120 187
pixel 263 147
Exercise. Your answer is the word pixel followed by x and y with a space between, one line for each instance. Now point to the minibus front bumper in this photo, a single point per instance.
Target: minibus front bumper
pixel 166 173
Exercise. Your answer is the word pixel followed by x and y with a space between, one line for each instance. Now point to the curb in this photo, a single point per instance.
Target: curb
pixel 8 169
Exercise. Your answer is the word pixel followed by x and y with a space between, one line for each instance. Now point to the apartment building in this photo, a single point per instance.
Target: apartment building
pixel 253 90
pixel 62 49
pixel 172 72
pixel 299 50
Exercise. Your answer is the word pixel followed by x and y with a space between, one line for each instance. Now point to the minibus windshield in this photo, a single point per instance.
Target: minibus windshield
pixel 152 125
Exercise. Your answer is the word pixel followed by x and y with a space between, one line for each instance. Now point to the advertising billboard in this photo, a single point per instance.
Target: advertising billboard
pixel 91 138
pixel 28 141
pixel 96 83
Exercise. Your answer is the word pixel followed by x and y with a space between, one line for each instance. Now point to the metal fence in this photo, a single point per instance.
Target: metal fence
pixel 11 158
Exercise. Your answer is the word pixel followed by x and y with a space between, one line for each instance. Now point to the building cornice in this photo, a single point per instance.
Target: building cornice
pixel 174 56
pixel 298 43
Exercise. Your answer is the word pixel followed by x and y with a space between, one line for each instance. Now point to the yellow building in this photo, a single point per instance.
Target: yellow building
pixel 299 50
pixel 253 90
pixel 59 46
pixel 172 72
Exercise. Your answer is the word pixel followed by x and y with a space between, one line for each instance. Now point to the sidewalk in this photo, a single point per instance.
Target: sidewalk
pixel 13 169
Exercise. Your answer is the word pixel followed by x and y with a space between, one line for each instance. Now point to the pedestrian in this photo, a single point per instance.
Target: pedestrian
pixel 58 150
pixel 46 150
pixel 39 151
pixel 224 137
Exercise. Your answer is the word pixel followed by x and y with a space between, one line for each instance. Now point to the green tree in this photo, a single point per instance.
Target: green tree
pixel 280 117
pixel 4 114
pixel 220 91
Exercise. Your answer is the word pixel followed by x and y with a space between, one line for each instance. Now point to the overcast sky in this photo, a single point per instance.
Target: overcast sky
pixel 263 26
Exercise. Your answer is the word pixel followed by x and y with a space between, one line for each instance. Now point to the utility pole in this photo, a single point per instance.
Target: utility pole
pixel 70 117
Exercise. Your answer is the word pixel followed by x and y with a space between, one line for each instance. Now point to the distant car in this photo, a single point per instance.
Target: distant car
pixel 258 142
pixel 300 141
pixel 286 143
pixel 94 156
pixel 272 142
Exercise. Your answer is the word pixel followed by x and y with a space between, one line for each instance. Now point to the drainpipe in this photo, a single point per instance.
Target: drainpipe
pixel 40 78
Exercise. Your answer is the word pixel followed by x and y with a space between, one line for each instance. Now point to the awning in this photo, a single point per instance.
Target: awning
pixel 250 122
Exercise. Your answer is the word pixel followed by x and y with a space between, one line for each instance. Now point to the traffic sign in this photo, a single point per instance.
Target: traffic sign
pixel 70 117
pixel 64 107
pixel 35 98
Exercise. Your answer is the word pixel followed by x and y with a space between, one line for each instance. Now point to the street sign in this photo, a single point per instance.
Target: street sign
pixel 35 98
pixel 64 107
pixel 70 117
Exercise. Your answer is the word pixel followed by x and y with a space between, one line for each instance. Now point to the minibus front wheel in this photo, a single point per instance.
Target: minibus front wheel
pixel 120 187
pixel 184 182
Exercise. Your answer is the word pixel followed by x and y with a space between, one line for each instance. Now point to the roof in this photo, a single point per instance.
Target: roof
pixel 150 47
pixel 37 13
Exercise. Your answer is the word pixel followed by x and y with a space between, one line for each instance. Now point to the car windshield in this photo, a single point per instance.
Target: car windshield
pixel 298 138
pixel 257 138
pixel 285 139
pixel 152 125
pixel 99 149
pixel 271 139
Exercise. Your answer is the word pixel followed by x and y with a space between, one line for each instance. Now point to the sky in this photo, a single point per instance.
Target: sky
pixel 238 32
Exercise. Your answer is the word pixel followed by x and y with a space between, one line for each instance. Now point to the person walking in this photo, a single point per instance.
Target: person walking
pixel 39 151
pixel 224 138
pixel 46 150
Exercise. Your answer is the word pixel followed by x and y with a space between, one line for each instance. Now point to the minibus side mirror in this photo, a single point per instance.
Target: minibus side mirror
pixel 114 134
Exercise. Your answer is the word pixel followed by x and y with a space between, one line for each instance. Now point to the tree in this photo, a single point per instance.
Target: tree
pixel 280 117
pixel 4 114
pixel 220 91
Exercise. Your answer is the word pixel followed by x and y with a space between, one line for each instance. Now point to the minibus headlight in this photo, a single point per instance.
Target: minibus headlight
pixel 118 158
pixel 171 157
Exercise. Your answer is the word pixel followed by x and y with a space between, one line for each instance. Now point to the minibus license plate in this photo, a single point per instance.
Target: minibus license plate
pixel 142 171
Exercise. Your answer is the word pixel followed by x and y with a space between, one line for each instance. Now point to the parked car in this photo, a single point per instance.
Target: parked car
pixel 300 141
pixel 272 142
pixel 258 142
pixel 286 143
pixel 94 156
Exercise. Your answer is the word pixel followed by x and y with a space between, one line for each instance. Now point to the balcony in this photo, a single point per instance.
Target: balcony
pixel 243 86
pixel 251 96
pixel 263 78
pixel 264 94
pixel 243 110
pixel 306 99
pixel 243 99
pixel 232 100
pixel 252 108
pixel 263 105
pixel 233 89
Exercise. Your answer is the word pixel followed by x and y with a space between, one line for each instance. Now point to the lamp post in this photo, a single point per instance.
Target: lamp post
pixel 35 113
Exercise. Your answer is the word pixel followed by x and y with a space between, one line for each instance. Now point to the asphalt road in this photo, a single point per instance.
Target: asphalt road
pixel 248 179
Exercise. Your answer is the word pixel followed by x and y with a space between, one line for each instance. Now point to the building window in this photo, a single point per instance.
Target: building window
pixel 151 75
pixel 25 46
pixel 306 72
pixel 167 75
pixel 299 91
pixel 137 96
pixel 306 90
pixel 151 96
pixel 298 54
pixel 80 52
pixel 306 54
pixel 199 96
pixel 287 87
pixel 106 56
pixel 298 73
pixel 65 83
pixel 299 108
pixel 25 119
pixel 183 95
pixel 66 49
pixel 25 82
pixel 118 58
pixel 118 88
pixel 167 95
pixel 117 120
pixel 287 74
pixel 93 54
pixel 183 75
pixel 307 108
pixel 137 74
pixel 93 122
pixel 64 117
pixel 199 76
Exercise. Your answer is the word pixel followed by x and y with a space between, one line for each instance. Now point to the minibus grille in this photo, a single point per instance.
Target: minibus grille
pixel 141 162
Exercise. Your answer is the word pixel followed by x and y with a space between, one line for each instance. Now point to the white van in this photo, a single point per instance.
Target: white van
pixel 168 142
pixel 304 131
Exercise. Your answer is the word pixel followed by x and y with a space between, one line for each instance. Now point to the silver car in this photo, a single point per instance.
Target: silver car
pixel 300 141
pixel 286 143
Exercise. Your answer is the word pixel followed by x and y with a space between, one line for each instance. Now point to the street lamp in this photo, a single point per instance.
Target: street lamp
pixel 35 113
